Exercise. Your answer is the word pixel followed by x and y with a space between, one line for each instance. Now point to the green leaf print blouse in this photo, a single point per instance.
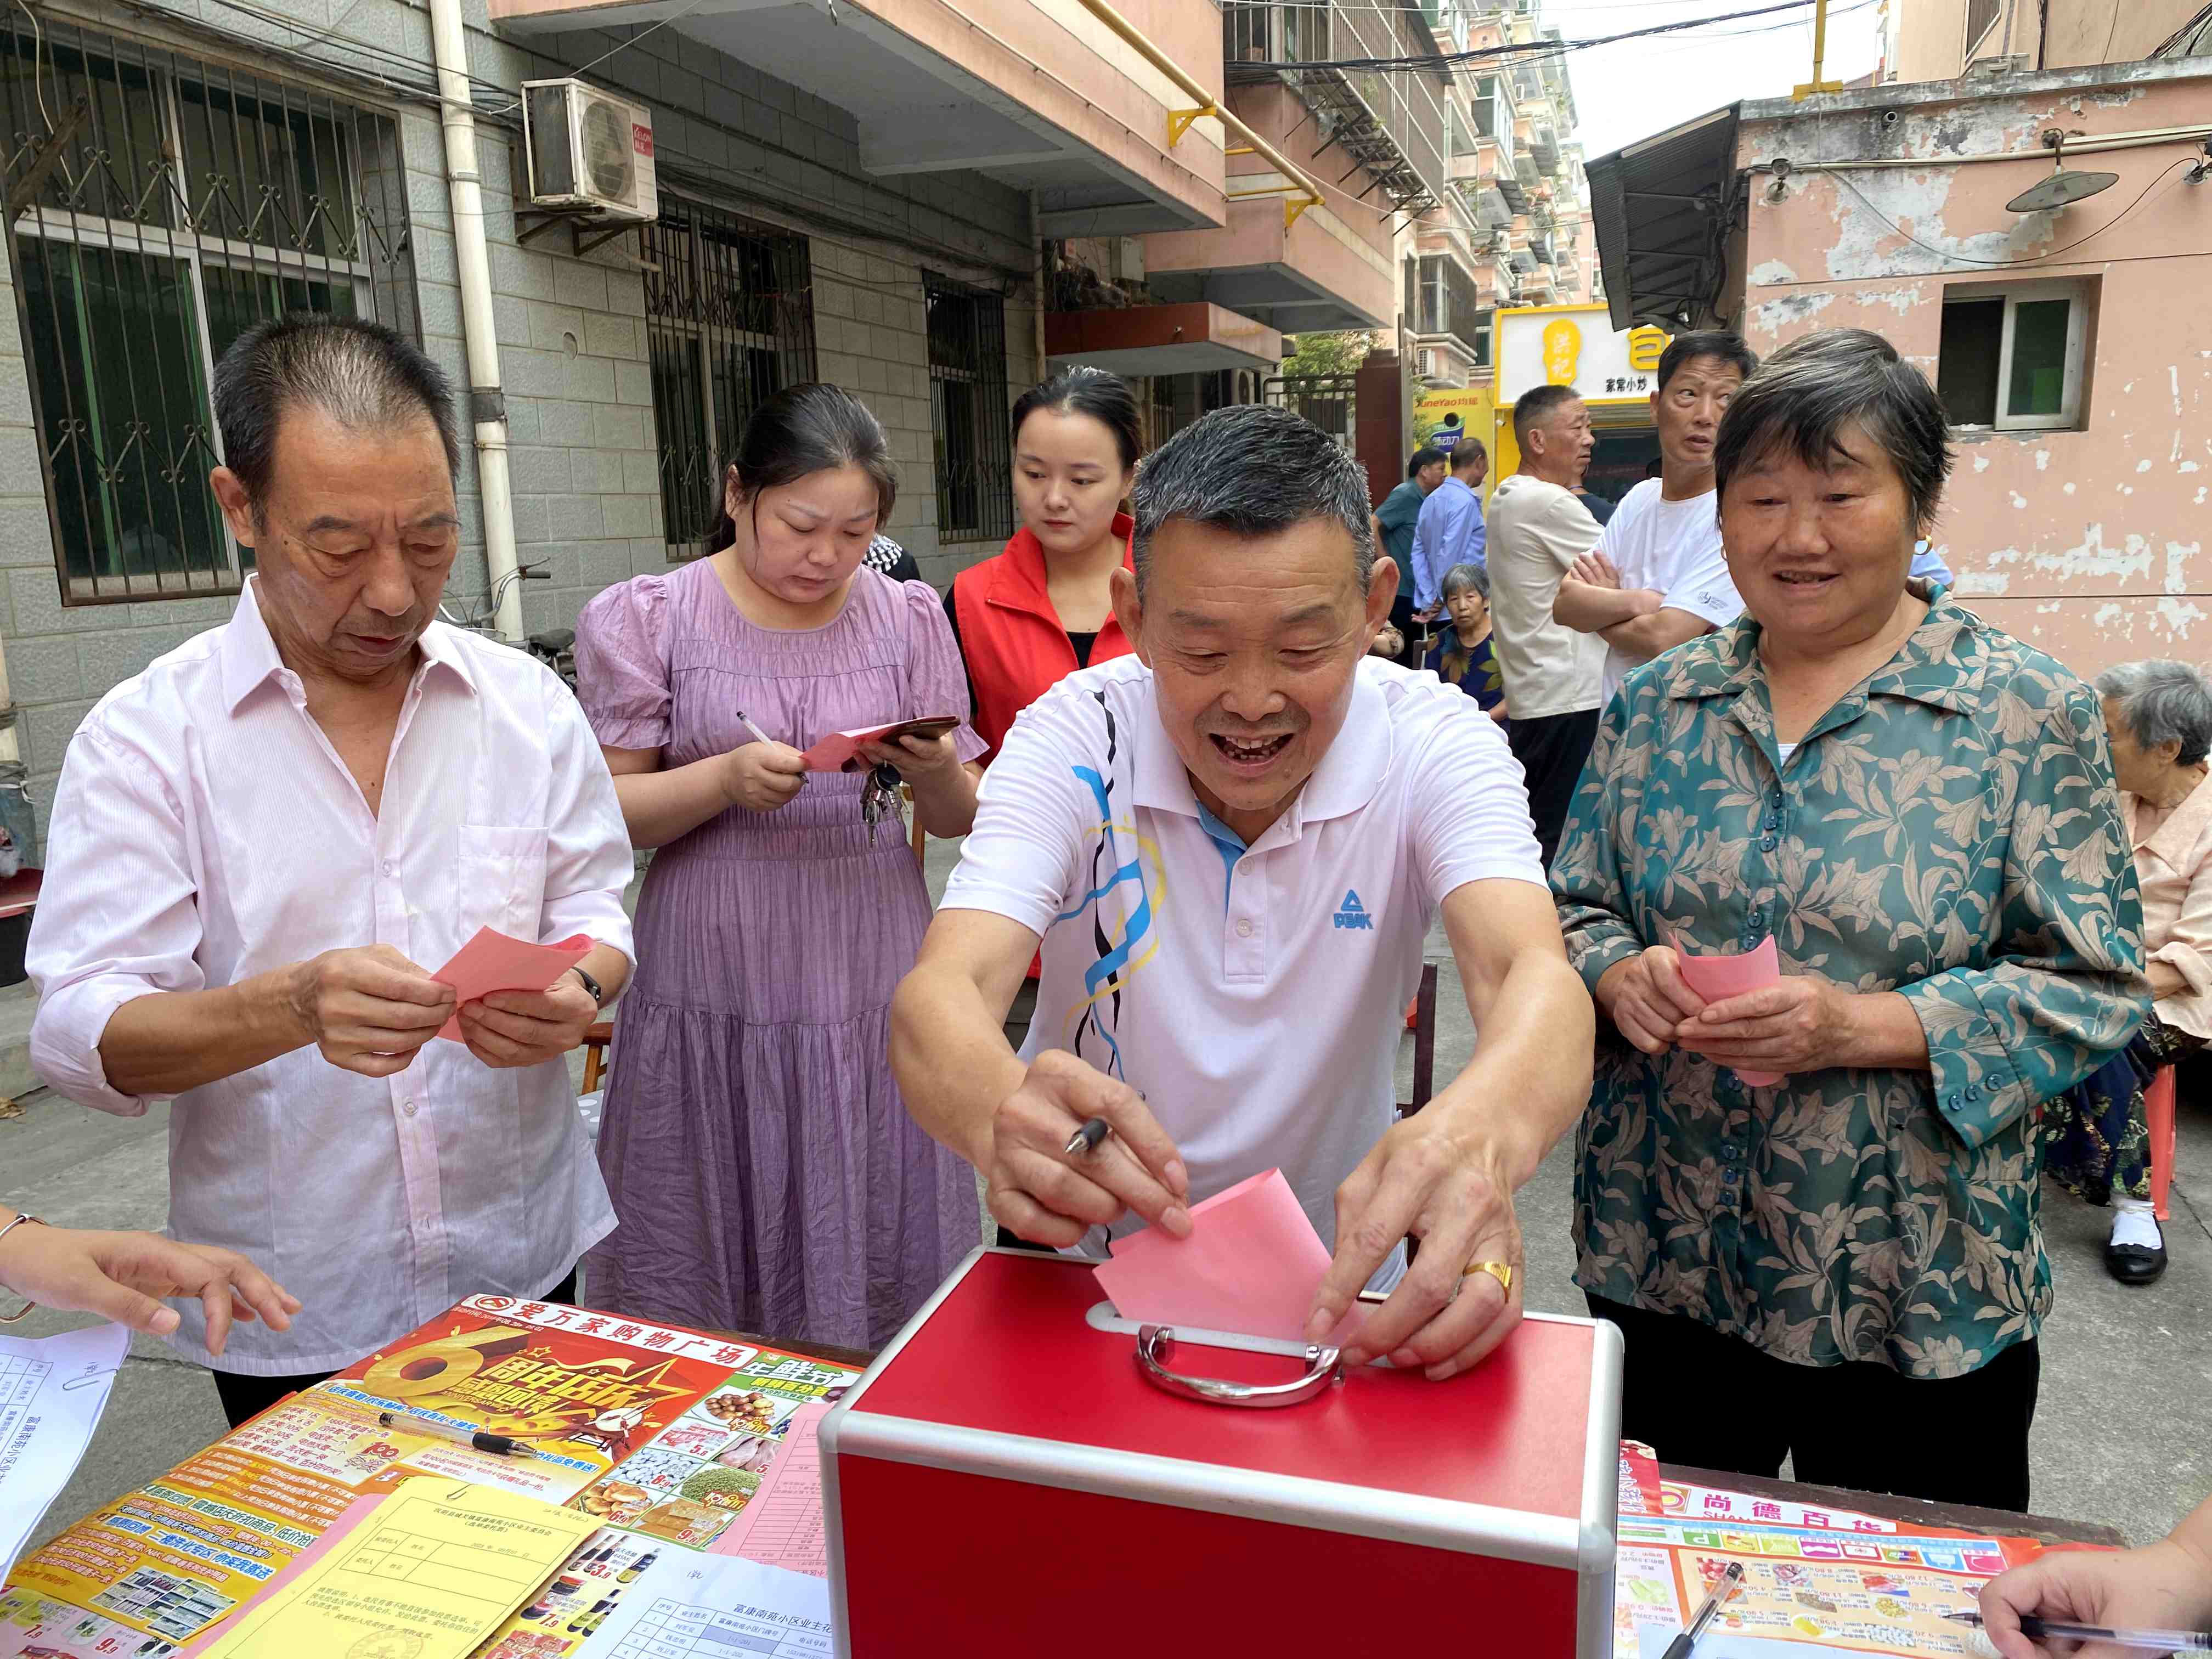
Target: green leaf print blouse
pixel 1950 831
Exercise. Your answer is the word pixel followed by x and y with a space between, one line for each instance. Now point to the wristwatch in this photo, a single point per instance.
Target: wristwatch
pixel 7 1227
pixel 591 985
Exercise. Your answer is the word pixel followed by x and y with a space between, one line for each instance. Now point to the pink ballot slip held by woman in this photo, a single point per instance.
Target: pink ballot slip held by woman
pixel 763 1168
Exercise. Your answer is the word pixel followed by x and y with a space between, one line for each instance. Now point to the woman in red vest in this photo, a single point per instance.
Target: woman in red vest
pixel 1029 617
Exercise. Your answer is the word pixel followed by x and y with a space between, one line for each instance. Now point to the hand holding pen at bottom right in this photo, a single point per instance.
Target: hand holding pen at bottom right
pixel 2161 1591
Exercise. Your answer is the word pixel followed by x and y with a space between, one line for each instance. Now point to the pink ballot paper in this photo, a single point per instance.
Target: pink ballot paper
pixel 1251 1265
pixel 841 750
pixel 781 1524
pixel 493 961
pixel 1716 978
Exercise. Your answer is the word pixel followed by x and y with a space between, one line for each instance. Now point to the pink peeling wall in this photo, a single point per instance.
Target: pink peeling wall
pixel 2092 545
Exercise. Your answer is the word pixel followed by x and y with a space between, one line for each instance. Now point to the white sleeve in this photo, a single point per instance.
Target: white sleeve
pixel 1034 812
pixel 118 918
pixel 1469 809
pixel 588 861
pixel 1569 531
pixel 1704 589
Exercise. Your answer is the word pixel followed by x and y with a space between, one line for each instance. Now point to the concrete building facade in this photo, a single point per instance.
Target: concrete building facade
pixel 2070 344
pixel 902 198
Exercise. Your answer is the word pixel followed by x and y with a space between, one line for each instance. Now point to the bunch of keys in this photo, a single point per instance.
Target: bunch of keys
pixel 879 799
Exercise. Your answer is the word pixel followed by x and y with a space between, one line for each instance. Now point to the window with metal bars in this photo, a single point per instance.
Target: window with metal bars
pixel 161 206
pixel 729 313
pixel 967 411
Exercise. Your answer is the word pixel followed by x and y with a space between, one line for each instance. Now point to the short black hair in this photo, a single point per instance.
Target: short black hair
pixel 1252 470
pixel 1104 396
pixel 1719 342
pixel 1425 455
pixel 1536 407
pixel 1805 395
pixel 363 375
pixel 1470 446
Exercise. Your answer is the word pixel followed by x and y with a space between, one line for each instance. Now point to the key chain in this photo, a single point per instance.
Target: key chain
pixel 879 798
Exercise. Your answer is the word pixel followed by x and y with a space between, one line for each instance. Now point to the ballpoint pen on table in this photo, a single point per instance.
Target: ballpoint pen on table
pixel 1723 1587
pixel 414 1423
pixel 2056 1630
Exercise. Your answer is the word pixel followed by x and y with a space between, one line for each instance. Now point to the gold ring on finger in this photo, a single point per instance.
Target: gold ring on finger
pixel 1500 1270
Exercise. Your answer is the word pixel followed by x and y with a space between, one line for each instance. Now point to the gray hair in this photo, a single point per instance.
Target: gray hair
pixel 361 375
pixel 1460 577
pixel 1803 398
pixel 2162 702
pixel 1252 470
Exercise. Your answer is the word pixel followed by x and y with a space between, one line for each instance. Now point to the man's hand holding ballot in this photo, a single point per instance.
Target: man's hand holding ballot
pixel 1231 846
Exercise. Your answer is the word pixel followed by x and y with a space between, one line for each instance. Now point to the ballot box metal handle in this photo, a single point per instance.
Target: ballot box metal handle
pixel 1156 1344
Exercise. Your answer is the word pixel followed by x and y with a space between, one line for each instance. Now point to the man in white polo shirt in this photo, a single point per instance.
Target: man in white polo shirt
pixel 1658 577
pixel 1232 845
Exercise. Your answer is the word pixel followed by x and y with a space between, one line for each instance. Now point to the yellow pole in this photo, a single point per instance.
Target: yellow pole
pixel 1799 94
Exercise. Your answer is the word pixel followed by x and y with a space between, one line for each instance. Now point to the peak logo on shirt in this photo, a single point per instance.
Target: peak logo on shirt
pixel 1352 914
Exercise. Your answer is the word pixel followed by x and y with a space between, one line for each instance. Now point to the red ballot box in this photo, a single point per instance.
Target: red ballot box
pixel 1006 1480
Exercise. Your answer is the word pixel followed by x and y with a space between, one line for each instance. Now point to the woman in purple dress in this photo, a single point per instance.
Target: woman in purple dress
pixel 765 1171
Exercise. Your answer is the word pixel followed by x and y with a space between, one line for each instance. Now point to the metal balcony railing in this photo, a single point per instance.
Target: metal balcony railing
pixel 1390 127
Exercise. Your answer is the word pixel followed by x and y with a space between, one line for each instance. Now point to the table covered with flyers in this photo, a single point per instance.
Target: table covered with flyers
pixel 669 1504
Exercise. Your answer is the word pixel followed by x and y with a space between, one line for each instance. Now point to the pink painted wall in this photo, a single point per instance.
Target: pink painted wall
pixel 2092 545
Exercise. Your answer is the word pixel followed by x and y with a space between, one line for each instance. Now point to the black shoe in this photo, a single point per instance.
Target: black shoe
pixel 2135 1264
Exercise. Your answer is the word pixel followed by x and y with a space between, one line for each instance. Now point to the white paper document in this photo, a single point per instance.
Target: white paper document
pixel 716 1607
pixel 52 1390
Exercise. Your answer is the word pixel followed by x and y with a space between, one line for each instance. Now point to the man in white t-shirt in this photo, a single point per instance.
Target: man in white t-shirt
pixel 1658 576
pixel 1538 529
pixel 1232 845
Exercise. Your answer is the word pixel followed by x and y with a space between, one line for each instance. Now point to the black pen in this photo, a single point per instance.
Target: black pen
pixel 1723 1587
pixel 1087 1139
pixel 500 1445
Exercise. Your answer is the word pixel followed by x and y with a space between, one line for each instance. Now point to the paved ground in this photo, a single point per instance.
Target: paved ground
pixel 2124 1434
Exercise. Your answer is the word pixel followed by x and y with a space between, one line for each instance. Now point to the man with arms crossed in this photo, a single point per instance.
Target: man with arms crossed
pixel 1231 845
pixel 266 843
pixel 1658 576
pixel 1537 532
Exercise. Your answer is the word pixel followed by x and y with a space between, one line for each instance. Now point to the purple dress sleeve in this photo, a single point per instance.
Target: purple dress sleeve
pixel 937 680
pixel 622 664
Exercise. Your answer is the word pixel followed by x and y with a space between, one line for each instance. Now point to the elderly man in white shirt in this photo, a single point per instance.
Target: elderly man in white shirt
pixel 264 845
pixel 1231 846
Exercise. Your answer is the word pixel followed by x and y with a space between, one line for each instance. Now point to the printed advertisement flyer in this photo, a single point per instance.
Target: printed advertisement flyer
pixel 661 1435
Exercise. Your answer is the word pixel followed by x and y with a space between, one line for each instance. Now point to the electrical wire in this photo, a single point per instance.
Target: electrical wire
pixel 2047 255
pixel 37 64
pixel 1525 51
pixel 689 7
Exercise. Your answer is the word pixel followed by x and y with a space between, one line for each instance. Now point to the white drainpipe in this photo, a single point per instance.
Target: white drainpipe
pixel 487 403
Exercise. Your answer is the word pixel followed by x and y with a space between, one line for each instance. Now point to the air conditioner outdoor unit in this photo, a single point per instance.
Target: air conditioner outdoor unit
pixel 590 152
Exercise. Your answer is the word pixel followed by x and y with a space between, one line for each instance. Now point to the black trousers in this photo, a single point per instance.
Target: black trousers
pixel 1714 1402
pixel 1552 749
pixel 247 1397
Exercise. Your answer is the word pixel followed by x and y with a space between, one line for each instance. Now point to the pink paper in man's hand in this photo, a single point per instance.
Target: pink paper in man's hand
pixel 1718 978
pixel 1251 1265
pixel 493 961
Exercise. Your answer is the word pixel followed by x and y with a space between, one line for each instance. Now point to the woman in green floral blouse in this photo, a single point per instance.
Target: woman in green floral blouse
pixel 1846 1266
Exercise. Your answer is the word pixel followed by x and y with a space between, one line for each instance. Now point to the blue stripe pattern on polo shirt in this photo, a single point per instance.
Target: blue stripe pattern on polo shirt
pixel 1227 842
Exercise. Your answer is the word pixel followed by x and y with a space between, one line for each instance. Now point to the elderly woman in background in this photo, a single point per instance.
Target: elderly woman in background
pixel 2158 717
pixel 1811 1206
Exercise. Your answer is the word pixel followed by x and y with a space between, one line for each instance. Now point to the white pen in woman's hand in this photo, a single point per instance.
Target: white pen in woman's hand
pixel 748 719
